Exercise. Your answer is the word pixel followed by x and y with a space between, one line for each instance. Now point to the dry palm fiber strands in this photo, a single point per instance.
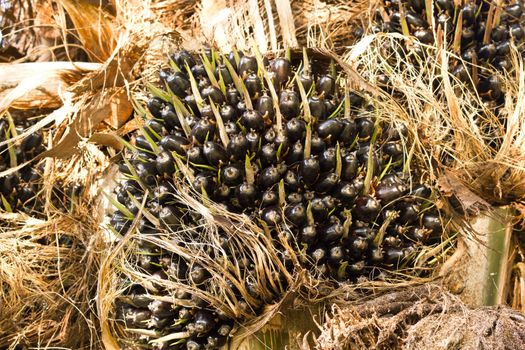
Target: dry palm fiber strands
pixel 332 25
pixel 246 170
pixel 420 317
pixel 47 281
pixel 48 284
pixel 48 255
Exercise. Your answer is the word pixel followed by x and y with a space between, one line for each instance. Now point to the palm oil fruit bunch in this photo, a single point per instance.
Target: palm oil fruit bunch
pixel 194 325
pixel 19 190
pixel 282 142
pixel 481 32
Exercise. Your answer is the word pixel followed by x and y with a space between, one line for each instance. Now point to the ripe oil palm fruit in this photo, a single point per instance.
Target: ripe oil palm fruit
pixel 481 32
pixel 19 189
pixel 283 143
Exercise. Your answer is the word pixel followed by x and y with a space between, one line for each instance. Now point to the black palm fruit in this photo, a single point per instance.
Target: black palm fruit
pixel 247 64
pixel 489 52
pixel 301 178
pixel 282 68
pixel 326 85
pixel 155 106
pixel 265 106
pixel 178 83
pixel 289 103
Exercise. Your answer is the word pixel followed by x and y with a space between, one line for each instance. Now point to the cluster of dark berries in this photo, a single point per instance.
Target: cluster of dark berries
pixel 199 327
pixel 22 190
pixel 482 33
pixel 283 143
pixel 19 190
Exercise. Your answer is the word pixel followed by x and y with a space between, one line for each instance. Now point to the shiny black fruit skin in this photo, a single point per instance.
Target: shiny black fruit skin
pixel 165 164
pixel 202 130
pixel 366 208
pixel 308 235
pixel 365 127
pixel 222 71
pixel 432 221
pixel 178 84
pixel 246 194
pixel 253 85
pixel 388 193
pixel 232 174
pixel 214 153
pixel 327 183
pixel 253 120
pixel 309 170
pixel 317 107
pixel 328 159
pixel 183 58
pixel 238 147
pixel 155 106
pixel 326 85
pixel 228 113
pixel 205 181
pixel 296 214
pixel 289 103
pixel 269 177
pixel 265 106
pixel 172 143
pixel 247 64
pixel 306 80
pixel 330 129
pixel 271 215
pixel 350 167
pixel 281 67
pixel 318 145
pixel 332 233
pixel 214 94
pixel 296 129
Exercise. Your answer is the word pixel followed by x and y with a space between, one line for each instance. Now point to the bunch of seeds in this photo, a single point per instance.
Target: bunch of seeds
pixel 23 191
pixel 481 32
pixel 19 190
pixel 285 144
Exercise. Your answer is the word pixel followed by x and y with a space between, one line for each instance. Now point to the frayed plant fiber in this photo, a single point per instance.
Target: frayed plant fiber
pixel 420 317
pixel 331 24
pixel 48 279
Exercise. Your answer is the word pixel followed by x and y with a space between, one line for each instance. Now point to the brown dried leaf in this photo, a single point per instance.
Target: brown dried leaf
pixel 106 139
pixel 110 103
pixel 451 185
pixel 95 27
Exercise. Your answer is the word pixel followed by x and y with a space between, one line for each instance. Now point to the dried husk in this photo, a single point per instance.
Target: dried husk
pixel 47 285
pixel 419 317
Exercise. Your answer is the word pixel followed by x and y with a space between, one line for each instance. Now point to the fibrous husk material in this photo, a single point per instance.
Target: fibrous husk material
pixel 420 317
pixel 330 24
pixel 48 280
pixel 49 265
